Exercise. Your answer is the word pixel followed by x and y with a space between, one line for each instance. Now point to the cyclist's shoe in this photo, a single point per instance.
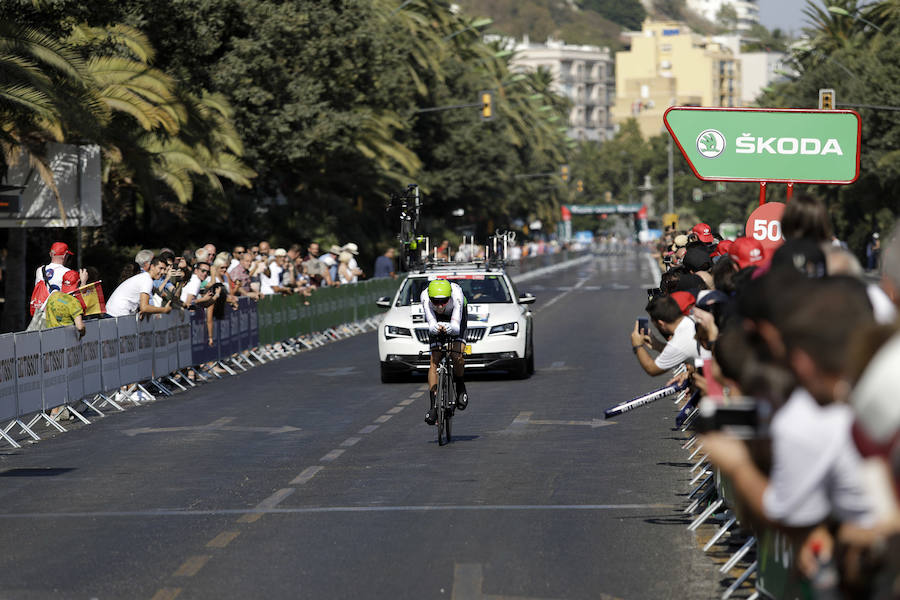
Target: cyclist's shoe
pixel 431 416
pixel 462 397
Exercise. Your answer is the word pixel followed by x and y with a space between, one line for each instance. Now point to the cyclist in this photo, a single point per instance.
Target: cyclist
pixel 445 310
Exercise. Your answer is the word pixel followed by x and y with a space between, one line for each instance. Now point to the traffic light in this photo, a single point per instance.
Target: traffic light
pixel 564 173
pixel 579 185
pixel 487 105
pixel 826 99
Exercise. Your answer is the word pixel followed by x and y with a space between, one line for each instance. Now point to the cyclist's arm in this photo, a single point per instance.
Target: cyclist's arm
pixel 459 305
pixel 429 312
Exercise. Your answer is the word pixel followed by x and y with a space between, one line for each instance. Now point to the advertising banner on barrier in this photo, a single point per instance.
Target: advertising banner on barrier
pixel 184 342
pixel 128 350
pixel 175 319
pixel 252 311
pixel 223 335
pixel 53 366
pixel 8 409
pixel 145 349
pixel 201 351
pixel 109 354
pixel 90 358
pixel 264 310
pixel 160 341
pixel 234 317
pixel 243 323
pixel 74 366
pixel 28 372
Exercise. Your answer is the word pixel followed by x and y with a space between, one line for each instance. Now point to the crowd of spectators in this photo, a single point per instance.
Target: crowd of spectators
pixel 800 336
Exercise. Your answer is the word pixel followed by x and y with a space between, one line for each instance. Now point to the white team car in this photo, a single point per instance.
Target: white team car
pixel 499 335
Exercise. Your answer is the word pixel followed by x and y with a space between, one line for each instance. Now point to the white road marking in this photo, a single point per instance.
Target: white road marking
pixel 396 410
pixel 333 455
pixel 383 418
pixel 417 394
pixel 407 402
pixel 352 441
pixel 217 425
pixel 266 505
pixel 524 418
pixel 368 429
pixel 260 510
pixel 306 474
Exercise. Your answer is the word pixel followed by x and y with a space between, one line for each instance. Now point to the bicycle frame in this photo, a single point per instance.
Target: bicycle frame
pixel 445 397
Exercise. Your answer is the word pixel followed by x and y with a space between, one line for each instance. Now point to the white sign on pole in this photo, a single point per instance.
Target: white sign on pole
pixel 7 377
pixel 53 366
pixel 28 372
pixel 76 173
pixel 90 358
pixel 74 368
pixel 109 354
pixel 128 350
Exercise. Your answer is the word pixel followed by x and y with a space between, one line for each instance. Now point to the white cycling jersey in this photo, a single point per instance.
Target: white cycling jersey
pixel 450 314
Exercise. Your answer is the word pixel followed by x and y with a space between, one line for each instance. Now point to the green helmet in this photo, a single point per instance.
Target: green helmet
pixel 439 288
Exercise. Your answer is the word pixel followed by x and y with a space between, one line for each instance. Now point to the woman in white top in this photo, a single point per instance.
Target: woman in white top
pixel 345 274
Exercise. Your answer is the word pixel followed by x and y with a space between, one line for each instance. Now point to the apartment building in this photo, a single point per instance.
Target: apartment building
pixel 669 65
pixel 584 74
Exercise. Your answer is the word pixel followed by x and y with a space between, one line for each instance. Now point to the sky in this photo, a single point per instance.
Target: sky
pixel 787 15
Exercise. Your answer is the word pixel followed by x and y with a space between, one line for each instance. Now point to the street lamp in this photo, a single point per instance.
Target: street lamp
pixel 837 10
pixel 475 25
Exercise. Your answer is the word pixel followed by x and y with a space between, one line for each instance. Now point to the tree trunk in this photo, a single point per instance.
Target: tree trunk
pixel 14 313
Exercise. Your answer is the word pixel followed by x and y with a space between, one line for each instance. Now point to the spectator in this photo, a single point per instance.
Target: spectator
pixel 330 259
pixel 890 267
pixel 345 274
pixel 270 280
pixel 62 308
pixel 202 255
pixel 133 294
pixel 265 249
pixel 669 316
pixel 806 217
pixel 873 252
pixel 52 273
pixel 219 278
pixel 703 232
pixel 315 269
pixel 210 251
pixel 236 255
pixel 841 261
pixel 143 258
pixel 384 265
pixel 191 295
pixel 353 249
pixel 747 252
pixel 240 275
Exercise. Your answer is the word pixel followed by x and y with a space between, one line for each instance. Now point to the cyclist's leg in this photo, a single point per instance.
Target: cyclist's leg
pixel 431 415
pixel 459 370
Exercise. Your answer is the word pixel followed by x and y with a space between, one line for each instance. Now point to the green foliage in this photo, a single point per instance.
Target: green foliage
pixel 627 13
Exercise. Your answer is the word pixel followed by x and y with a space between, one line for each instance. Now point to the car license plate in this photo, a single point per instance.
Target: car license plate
pixel 468 349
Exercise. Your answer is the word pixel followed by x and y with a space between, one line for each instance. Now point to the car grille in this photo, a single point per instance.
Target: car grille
pixel 473 334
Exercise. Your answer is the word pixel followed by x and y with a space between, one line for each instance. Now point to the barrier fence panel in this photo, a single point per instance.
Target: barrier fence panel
pixel 74 364
pixel 28 372
pixel 53 367
pixel 8 405
pixel 234 315
pixel 160 325
pixel 244 323
pixel 777 577
pixel 90 358
pixel 128 350
pixel 184 342
pixel 254 325
pixel 172 340
pixel 145 350
pixel 264 310
pixel 109 354
pixel 201 351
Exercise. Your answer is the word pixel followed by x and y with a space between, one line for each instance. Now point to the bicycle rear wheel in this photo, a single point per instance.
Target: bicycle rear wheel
pixel 439 407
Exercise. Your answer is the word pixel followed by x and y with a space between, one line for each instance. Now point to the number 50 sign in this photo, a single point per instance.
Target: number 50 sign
pixel 764 225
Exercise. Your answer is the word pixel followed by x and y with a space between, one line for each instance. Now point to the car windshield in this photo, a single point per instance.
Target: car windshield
pixel 478 289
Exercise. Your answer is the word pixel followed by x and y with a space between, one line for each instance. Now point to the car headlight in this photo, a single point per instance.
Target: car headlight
pixel 392 331
pixel 505 329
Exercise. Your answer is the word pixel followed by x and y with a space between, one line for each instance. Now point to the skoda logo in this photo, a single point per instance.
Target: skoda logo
pixel 710 143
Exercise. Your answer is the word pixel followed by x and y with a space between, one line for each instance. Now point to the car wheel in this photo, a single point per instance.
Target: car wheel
pixel 520 371
pixel 529 359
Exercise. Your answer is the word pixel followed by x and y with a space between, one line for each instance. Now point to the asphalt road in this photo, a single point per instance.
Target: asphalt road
pixel 307 478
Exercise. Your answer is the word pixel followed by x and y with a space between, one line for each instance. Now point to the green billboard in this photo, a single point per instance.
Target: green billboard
pixel 775 145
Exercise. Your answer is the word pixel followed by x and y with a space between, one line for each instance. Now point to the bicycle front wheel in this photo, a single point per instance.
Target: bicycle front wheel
pixel 440 404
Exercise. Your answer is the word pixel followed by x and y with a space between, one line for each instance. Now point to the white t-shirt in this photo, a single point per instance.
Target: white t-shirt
pixel 126 299
pixel 329 259
pixel 55 274
pixel 274 279
pixel 682 347
pixel 192 287
pixel 816 469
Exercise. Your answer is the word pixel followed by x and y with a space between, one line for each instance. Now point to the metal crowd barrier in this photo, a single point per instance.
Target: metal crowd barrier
pixel 118 359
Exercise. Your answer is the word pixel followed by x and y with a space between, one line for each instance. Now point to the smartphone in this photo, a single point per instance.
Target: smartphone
pixel 643 325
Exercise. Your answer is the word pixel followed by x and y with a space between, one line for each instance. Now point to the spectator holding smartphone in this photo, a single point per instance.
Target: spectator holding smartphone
pixel 669 316
pixel 133 295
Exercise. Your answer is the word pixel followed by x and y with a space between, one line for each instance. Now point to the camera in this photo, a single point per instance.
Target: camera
pixel 653 293
pixel 744 418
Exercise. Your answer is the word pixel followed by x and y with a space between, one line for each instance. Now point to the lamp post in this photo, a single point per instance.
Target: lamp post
pixel 837 10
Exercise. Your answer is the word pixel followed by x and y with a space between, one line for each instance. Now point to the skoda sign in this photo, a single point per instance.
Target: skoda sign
pixel 776 145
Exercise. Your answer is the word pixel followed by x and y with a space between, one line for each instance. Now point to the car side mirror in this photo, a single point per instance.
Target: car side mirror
pixel 528 298
pixel 383 302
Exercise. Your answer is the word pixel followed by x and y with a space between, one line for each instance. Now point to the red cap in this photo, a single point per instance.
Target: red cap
pixel 59 249
pixel 723 247
pixel 704 233
pixel 70 282
pixel 685 301
pixel 747 251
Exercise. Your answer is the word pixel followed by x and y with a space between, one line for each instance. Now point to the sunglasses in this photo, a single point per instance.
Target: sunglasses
pixel 440 301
